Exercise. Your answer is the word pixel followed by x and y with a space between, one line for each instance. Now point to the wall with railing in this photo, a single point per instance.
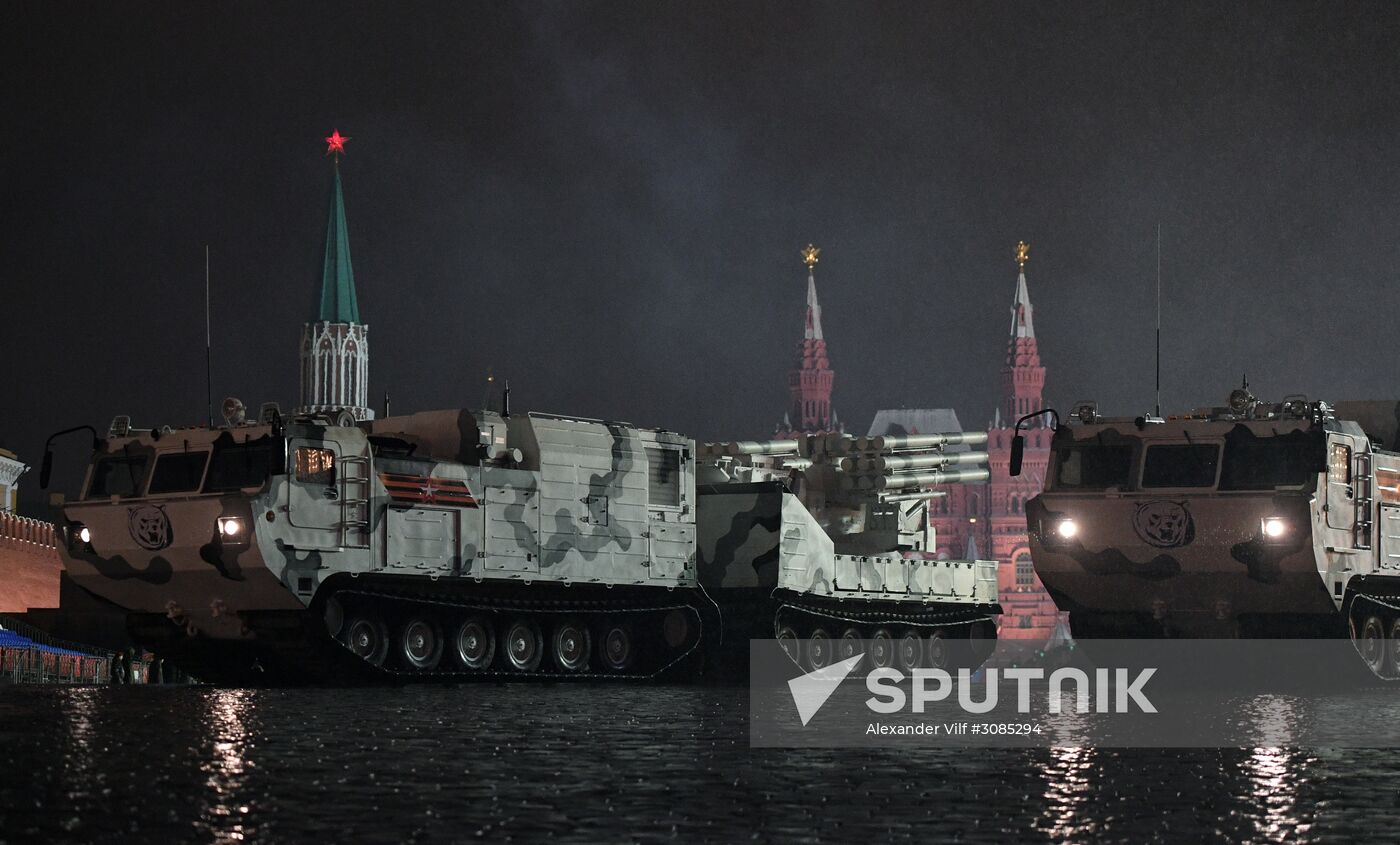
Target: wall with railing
pixel 29 655
pixel 33 665
pixel 23 532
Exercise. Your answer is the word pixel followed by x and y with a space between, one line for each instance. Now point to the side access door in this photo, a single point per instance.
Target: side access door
pixel 1341 483
pixel 670 529
pixel 314 506
pixel 511 534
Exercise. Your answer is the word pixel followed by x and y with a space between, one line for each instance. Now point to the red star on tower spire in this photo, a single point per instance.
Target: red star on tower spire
pixel 336 143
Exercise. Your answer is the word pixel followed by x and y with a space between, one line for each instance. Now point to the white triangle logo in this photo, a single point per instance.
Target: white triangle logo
pixel 810 691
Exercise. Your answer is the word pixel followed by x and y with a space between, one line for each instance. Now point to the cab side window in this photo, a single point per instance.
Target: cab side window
pixel 315 466
pixel 1339 464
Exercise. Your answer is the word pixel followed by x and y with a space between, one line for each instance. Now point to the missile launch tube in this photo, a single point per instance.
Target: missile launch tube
pixel 762 447
pixel 921 479
pixel 903 463
pixel 837 443
pixel 892 442
pixel 909 497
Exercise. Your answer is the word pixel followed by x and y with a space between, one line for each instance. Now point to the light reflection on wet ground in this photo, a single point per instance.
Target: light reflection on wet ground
pixel 590 763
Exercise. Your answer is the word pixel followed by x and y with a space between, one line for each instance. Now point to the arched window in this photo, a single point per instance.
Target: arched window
pixel 1025 572
pixel 325 391
pixel 352 374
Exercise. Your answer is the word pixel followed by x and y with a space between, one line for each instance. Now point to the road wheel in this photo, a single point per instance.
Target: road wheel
pixel 849 644
pixel 787 640
pixel 617 648
pixel 367 638
pixel 334 615
pixel 675 628
pixel 1392 636
pixel 420 644
pixel 524 645
pixel 881 648
pixel 1371 643
pixel 818 649
pixel 911 651
pixel 572 646
pixel 938 650
pixel 476 644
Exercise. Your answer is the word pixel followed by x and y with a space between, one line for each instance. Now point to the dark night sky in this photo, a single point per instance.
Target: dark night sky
pixel 605 201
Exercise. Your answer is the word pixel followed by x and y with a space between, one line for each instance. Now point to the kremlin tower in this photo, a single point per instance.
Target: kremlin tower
pixel 988 520
pixel 809 383
pixel 1022 378
pixel 1030 613
pixel 335 344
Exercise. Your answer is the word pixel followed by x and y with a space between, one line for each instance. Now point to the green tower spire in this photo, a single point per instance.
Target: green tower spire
pixel 338 303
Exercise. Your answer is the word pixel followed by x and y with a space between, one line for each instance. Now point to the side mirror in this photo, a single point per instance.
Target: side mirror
pixel 1018 451
pixel 46 470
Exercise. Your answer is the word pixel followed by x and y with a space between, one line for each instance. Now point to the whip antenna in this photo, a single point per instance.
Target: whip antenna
pixel 208 348
pixel 1159 321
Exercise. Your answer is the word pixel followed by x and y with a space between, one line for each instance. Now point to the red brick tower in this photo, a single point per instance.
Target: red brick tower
pixel 1030 612
pixel 1022 378
pixel 809 384
pixel 990 519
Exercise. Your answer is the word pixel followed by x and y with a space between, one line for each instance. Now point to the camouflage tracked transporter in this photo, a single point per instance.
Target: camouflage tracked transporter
pixel 864 568
pixel 1254 520
pixel 452 544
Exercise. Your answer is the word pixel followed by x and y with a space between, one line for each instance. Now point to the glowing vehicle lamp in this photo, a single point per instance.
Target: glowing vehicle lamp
pixel 1273 527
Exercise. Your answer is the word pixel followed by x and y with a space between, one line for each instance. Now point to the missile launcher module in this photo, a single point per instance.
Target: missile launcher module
pixel 1253 519
pixel 850 546
pixel 456 545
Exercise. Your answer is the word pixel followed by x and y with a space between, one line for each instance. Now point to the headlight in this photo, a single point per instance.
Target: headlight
pixel 84 534
pixel 1274 527
pixel 230 526
pixel 1067 528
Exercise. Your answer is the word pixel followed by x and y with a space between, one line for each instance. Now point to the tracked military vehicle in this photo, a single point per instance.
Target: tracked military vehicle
pixel 453 545
pixel 1253 519
pixel 824 541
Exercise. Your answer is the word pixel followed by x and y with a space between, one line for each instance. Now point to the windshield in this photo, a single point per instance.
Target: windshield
pixel 1263 463
pixel 117 475
pixel 1181 465
pixel 178 472
pixel 238 465
pixel 1091 465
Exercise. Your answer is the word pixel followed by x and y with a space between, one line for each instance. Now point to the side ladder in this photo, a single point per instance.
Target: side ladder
pixel 354 501
pixel 1364 485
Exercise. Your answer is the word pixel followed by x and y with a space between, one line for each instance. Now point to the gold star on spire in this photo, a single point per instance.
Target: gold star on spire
pixel 809 256
pixel 1023 252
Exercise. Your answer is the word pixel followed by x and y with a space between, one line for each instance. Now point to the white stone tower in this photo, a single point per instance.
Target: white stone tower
pixel 335 345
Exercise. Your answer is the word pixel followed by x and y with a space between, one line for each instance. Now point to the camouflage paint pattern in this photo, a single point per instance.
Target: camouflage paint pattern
pixel 533 499
pixel 1198 558
pixel 759 535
